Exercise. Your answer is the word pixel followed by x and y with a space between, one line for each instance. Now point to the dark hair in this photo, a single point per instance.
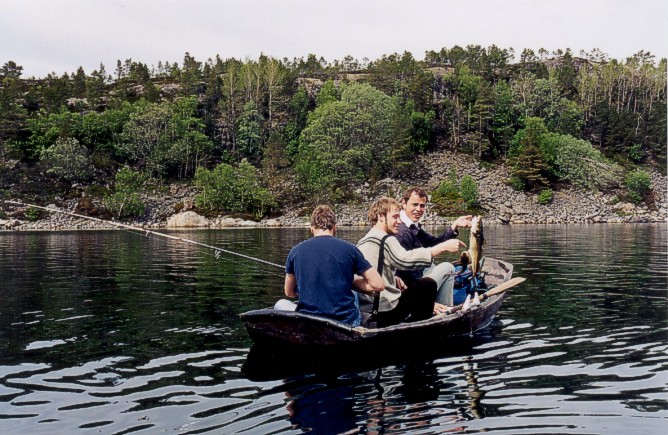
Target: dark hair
pixel 381 208
pixel 421 193
pixel 323 218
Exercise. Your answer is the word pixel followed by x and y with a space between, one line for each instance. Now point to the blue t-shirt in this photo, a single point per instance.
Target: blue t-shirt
pixel 324 268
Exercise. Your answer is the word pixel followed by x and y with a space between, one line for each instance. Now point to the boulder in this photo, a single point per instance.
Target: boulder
pixel 187 219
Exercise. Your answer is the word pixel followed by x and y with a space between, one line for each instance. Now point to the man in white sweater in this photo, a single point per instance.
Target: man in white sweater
pixel 397 302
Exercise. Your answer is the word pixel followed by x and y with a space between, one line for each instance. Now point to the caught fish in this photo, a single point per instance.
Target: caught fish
pixel 473 257
pixel 475 244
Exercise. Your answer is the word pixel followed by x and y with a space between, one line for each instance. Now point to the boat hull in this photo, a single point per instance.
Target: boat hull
pixel 271 327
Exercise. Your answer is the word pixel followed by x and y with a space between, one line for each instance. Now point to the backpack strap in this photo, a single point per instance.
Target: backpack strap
pixel 379 268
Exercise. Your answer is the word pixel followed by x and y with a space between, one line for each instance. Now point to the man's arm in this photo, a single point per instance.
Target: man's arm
pixel 369 282
pixel 290 285
pixel 428 241
pixel 451 232
pixel 451 245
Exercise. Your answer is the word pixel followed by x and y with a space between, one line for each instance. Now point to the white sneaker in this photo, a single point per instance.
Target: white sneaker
pixel 467 303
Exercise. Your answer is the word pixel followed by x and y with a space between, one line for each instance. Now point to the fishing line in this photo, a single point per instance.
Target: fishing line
pixel 217 250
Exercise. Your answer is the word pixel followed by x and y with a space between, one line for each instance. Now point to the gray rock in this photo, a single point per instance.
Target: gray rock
pixel 187 219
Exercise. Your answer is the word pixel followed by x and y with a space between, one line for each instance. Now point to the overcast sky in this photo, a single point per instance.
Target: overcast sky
pixel 58 36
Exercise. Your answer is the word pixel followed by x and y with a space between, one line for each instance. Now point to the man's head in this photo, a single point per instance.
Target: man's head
pixel 384 214
pixel 323 218
pixel 414 203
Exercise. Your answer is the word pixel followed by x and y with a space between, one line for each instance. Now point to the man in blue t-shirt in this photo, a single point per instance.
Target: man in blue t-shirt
pixel 321 272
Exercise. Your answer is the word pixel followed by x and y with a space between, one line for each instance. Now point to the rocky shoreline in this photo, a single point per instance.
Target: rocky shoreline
pixel 500 204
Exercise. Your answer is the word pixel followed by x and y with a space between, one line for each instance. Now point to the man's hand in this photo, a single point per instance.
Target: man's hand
pixel 440 308
pixel 401 285
pixel 451 245
pixel 462 221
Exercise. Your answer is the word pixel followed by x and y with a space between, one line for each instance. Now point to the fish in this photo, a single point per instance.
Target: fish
pixel 473 257
pixel 475 244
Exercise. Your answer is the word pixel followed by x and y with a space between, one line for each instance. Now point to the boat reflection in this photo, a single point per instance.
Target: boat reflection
pixel 338 392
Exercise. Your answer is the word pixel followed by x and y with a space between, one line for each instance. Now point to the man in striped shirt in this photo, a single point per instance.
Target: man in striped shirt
pixel 398 302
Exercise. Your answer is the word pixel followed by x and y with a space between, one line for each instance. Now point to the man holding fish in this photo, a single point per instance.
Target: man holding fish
pixel 411 235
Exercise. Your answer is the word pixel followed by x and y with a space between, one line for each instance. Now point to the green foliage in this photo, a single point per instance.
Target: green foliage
pixel 564 117
pixel 327 94
pixel 530 158
pixel 45 129
pixel 33 214
pixel 578 162
pixel 516 183
pixel 527 168
pixel 531 135
pixel 348 141
pixel 297 115
pixel 402 76
pixel 639 185
pixel 537 155
pixel 125 200
pixel 249 133
pixel 170 120
pixel 11 69
pixel 469 191
pixel 448 189
pixel 422 130
pixel 68 159
pixel 165 138
pixel 455 196
pixel 226 188
pixel 636 153
pixel 503 119
pixel 545 196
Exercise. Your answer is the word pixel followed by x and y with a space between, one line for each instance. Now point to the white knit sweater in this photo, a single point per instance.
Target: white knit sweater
pixel 396 258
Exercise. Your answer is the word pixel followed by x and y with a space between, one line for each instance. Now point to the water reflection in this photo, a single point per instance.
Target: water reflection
pixel 115 333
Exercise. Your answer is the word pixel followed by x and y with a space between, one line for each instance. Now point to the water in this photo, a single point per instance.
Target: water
pixel 113 332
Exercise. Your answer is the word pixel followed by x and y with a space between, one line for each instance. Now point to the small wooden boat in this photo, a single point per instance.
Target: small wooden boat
pixel 272 327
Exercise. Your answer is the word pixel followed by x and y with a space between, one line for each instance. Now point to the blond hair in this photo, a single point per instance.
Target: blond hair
pixel 323 218
pixel 381 208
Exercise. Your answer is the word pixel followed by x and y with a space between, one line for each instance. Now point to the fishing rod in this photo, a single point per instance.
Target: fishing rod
pixel 147 232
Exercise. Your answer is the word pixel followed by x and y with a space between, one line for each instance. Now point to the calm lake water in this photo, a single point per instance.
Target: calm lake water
pixel 113 332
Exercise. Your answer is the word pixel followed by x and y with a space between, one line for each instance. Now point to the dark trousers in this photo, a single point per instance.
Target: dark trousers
pixel 416 303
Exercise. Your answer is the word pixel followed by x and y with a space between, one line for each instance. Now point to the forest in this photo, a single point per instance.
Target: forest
pixel 258 136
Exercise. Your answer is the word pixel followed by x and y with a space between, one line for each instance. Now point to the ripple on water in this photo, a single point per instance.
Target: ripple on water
pixel 147 338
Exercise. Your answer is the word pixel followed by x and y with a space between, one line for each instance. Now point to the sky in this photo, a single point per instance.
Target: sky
pixel 58 36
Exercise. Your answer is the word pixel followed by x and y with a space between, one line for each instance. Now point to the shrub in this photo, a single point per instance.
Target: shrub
pixel 448 189
pixel 578 162
pixel 636 153
pixel 125 200
pixel 226 188
pixel 68 159
pixel 516 183
pixel 33 214
pixel 545 197
pixel 469 191
pixel 454 196
pixel 639 185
